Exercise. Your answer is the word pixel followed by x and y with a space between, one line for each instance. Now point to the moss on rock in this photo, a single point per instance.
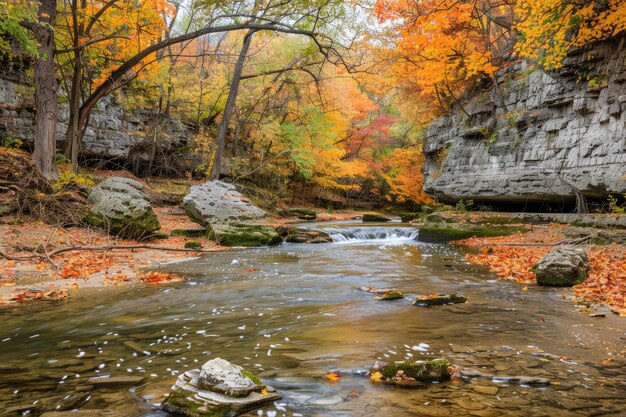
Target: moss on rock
pixel 428 371
pixel 439 233
pixel 374 217
pixel 391 295
pixel 240 234
pixel 132 228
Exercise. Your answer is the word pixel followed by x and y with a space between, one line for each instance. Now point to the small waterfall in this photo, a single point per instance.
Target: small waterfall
pixel 373 234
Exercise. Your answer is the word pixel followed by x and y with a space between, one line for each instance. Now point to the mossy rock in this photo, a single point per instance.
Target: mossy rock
pixel 373 217
pixel 131 228
pixel 439 299
pixel 301 213
pixel 192 244
pixel 407 217
pixel 391 295
pixel 439 218
pixel 193 232
pixel 427 209
pixel 240 234
pixel 429 371
pixel 440 233
pixel 295 235
pixel 122 206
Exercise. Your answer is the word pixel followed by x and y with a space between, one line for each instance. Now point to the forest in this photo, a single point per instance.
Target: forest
pixel 332 96
pixel 212 208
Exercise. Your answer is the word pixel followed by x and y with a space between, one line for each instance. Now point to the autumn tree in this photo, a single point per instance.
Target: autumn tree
pixel 549 29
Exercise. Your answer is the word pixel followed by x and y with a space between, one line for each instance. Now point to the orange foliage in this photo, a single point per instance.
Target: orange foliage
pixel 159 277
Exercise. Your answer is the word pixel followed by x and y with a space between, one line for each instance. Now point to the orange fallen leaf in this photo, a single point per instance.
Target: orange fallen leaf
pixel 333 376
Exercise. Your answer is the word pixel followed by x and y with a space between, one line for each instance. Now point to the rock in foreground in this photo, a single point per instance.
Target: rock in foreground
pixel 219 389
pixel 122 206
pixel 439 299
pixel 562 267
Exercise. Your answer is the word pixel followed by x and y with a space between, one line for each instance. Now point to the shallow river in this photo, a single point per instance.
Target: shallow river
pixel 294 313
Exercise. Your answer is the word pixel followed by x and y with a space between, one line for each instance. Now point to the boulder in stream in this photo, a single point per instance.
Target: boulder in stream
pixel 412 374
pixel 122 206
pixel 219 389
pixel 229 217
pixel 563 266
pixel 439 299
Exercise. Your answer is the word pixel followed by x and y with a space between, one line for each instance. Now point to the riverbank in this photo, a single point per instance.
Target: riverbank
pixel 34 265
pixel 513 258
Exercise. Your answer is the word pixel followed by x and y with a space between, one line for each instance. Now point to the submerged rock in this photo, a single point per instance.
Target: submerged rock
pixel 373 217
pixel 122 206
pixel 562 267
pixel 467 373
pixel 219 389
pixel 412 374
pixel 439 299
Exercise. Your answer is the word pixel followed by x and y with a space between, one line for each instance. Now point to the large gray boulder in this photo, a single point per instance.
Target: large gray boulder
pixel 562 267
pixel 217 202
pixel 122 206
pixel 228 215
pixel 219 389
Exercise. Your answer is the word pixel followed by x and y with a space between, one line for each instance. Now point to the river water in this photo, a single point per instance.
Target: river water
pixel 294 313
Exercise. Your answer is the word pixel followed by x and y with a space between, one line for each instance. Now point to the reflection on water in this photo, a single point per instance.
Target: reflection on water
pixel 294 313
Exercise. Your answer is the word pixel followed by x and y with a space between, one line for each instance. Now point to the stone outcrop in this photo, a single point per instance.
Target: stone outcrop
pixel 536 135
pixel 229 216
pixel 562 267
pixel 114 133
pixel 122 206
pixel 219 389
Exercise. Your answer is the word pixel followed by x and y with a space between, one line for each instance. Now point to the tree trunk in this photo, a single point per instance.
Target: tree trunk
pixel 45 92
pixel 230 105
pixel 72 142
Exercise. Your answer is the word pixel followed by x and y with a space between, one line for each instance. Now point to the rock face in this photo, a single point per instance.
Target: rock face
pixel 228 216
pixel 114 133
pixel 122 206
pixel 562 267
pixel 536 133
pixel 219 389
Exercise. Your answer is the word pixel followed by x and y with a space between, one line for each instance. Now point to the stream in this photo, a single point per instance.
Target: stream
pixel 293 313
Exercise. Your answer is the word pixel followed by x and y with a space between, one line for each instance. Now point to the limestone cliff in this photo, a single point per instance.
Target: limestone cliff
pixel 113 134
pixel 532 135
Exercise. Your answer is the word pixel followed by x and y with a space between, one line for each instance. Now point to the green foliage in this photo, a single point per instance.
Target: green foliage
pixel 69 179
pixel 193 244
pixel 11 142
pixel 13 13
pixel 464 205
pixel 614 205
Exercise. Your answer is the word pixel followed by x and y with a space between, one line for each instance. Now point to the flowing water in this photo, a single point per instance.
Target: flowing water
pixel 294 313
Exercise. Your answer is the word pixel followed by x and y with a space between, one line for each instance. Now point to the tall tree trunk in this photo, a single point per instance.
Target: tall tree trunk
pixel 45 92
pixel 72 142
pixel 230 105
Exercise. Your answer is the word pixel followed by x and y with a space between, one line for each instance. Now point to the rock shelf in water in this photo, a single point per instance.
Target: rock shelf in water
pixel 412 374
pixel 439 299
pixel 219 389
